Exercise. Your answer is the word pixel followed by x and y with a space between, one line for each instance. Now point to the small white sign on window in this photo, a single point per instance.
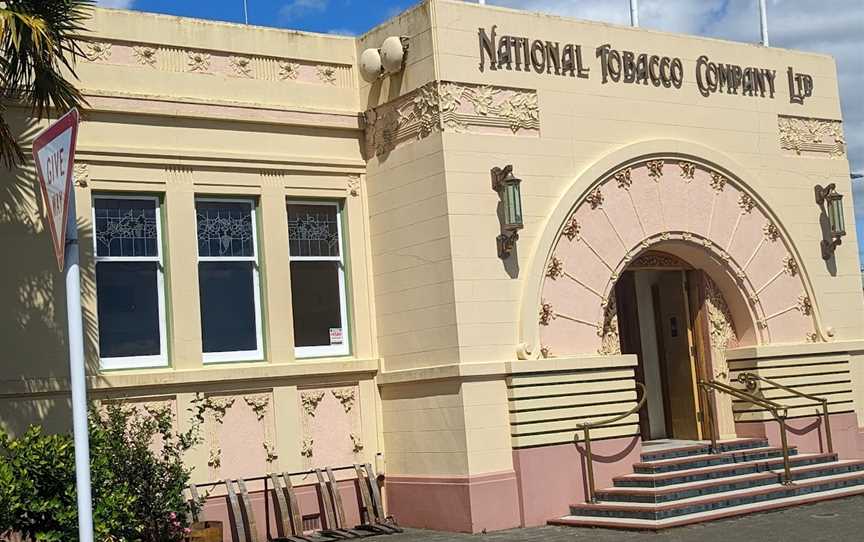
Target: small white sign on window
pixel 336 335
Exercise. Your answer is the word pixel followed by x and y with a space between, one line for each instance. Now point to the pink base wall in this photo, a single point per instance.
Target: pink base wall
pixel 216 508
pixel 808 434
pixel 468 504
pixel 551 478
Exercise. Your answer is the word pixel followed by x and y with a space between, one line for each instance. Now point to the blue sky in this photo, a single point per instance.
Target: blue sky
pixel 796 24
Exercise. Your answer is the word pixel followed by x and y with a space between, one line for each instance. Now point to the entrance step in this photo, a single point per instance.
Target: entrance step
pixel 701 448
pixel 709 459
pixel 689 484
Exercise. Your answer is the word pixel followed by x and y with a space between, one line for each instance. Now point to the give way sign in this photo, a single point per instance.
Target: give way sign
pixel 54 154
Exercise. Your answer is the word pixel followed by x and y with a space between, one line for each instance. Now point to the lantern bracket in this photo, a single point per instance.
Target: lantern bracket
pixel 825 195
pixel 822 193
pixel 506 243
pixel 498 176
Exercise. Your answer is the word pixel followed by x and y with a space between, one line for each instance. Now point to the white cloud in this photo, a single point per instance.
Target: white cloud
pixel 296 9
pixel 120 4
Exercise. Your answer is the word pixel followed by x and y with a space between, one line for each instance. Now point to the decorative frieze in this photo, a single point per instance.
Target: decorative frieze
pixel 197 61
pixel 451 107
pixel 327 74
pixel 811 137
pixel 288 70
pixel 146 56
pixel 97 51
pixel 241 65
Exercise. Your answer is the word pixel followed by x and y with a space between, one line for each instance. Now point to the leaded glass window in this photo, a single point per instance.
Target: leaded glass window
pixel 228 280
pixel 130 301
pixel 317 279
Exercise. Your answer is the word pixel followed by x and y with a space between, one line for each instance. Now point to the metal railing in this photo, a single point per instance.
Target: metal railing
pixel 751 380
pixel 778 411
pixel 586 428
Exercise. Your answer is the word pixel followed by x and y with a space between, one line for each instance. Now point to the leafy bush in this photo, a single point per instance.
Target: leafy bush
pixel 137 477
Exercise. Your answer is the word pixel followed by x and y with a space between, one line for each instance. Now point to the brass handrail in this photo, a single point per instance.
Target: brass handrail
pixel 587 426
pixel 778 411
pixel 750 380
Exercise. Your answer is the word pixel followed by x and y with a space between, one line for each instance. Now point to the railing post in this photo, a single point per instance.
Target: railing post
pixel 709 415
pixel 590 462
pixel 787 472
pixel 827 427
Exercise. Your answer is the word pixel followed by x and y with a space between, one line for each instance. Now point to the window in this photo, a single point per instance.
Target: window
pixel 228 280
pixel 130 300
pixel 317 279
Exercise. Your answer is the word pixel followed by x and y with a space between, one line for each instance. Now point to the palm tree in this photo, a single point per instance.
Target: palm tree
pixel 38 49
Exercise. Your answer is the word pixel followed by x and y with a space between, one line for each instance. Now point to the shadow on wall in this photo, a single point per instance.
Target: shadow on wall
pixel 33 314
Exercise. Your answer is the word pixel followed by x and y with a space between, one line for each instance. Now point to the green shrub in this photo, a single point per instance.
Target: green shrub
pixel 137 477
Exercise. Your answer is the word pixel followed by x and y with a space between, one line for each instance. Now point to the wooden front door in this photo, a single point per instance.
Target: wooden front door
pixel 675 343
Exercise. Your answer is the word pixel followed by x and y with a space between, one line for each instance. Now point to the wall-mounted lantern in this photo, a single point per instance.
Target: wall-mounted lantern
pixel 507 186
pixel 832 201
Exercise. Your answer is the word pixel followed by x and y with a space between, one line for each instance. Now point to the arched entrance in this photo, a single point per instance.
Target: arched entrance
pixel 728 246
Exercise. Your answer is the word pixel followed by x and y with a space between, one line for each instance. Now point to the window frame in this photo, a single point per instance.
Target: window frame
pixel 331 350
pixel 134 362
pixel 235 356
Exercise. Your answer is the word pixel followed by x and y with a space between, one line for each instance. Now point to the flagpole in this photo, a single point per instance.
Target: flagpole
pixel 634 13
pixel 763 19
pixel 245 12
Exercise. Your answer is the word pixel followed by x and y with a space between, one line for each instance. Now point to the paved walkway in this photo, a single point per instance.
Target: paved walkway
pixel 831 521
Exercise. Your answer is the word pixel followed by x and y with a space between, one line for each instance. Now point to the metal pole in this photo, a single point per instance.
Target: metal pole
pixel 634 13
pixel 763 18
pixel 77 377
pixel 591 490
pixel 245 12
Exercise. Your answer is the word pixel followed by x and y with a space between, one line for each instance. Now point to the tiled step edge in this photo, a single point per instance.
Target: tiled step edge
pixel 717 471
pixel 707 460
pixel 700 449
pixel 701 517
pixel 712 486
pixel 718 501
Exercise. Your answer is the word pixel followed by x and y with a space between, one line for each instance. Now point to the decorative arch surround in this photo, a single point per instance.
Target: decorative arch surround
pixel 673 200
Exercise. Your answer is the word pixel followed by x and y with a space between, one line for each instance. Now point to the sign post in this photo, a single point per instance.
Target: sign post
pixel 54 154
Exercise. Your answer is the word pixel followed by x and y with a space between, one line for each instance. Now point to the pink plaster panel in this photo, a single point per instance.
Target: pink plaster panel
pixel 781 294
pixel 581 262
pixel 329 423
pixel 238 441
pixel 675 190
pixel 571 298
pixel 551 478
pixel 790 327
pixel 567 337
pixel 646 195
pixel 724 215
pixel 749 234
pixel 808 434
pixel 767 262
pixel 619 208
pixel 469 504
pixel 700 202
pixel 598 233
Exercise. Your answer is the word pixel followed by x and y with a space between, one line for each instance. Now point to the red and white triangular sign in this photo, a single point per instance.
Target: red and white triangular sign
pixel 54 154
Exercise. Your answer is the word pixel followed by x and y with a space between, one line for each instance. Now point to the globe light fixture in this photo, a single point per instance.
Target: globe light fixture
pixel 507 186
pixel 832 202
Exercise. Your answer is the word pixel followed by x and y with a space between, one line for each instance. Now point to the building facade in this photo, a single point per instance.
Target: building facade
pixel 316 253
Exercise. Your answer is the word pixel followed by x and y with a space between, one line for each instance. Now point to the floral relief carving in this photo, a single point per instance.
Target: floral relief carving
pixel 354 185
pixel 81 174
pixel 258 404
pixel 545 352
pixel 146 56
pixel 790 266
pixel 718 182
pixel 310 401
pixel 811 338
pixel 658 259
pixel 688 170
pixel 356 443
pixel 197 61
pixel 771 231
pixel 452 107
pixel 214 460
pixel 547 313
pixel 555 268
pixel 306 450
pixel 241 66
pixel 610 343
pixel 346 396
pixel 288 70
pixel 270 450
pixel 98 51
pixel 595 198
pixel 623 178
pixel 722 329
pixel 655 169
pixel 327 74
pixel 572 229
pixel 746 203
pixel 813 136
pixel 805 306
